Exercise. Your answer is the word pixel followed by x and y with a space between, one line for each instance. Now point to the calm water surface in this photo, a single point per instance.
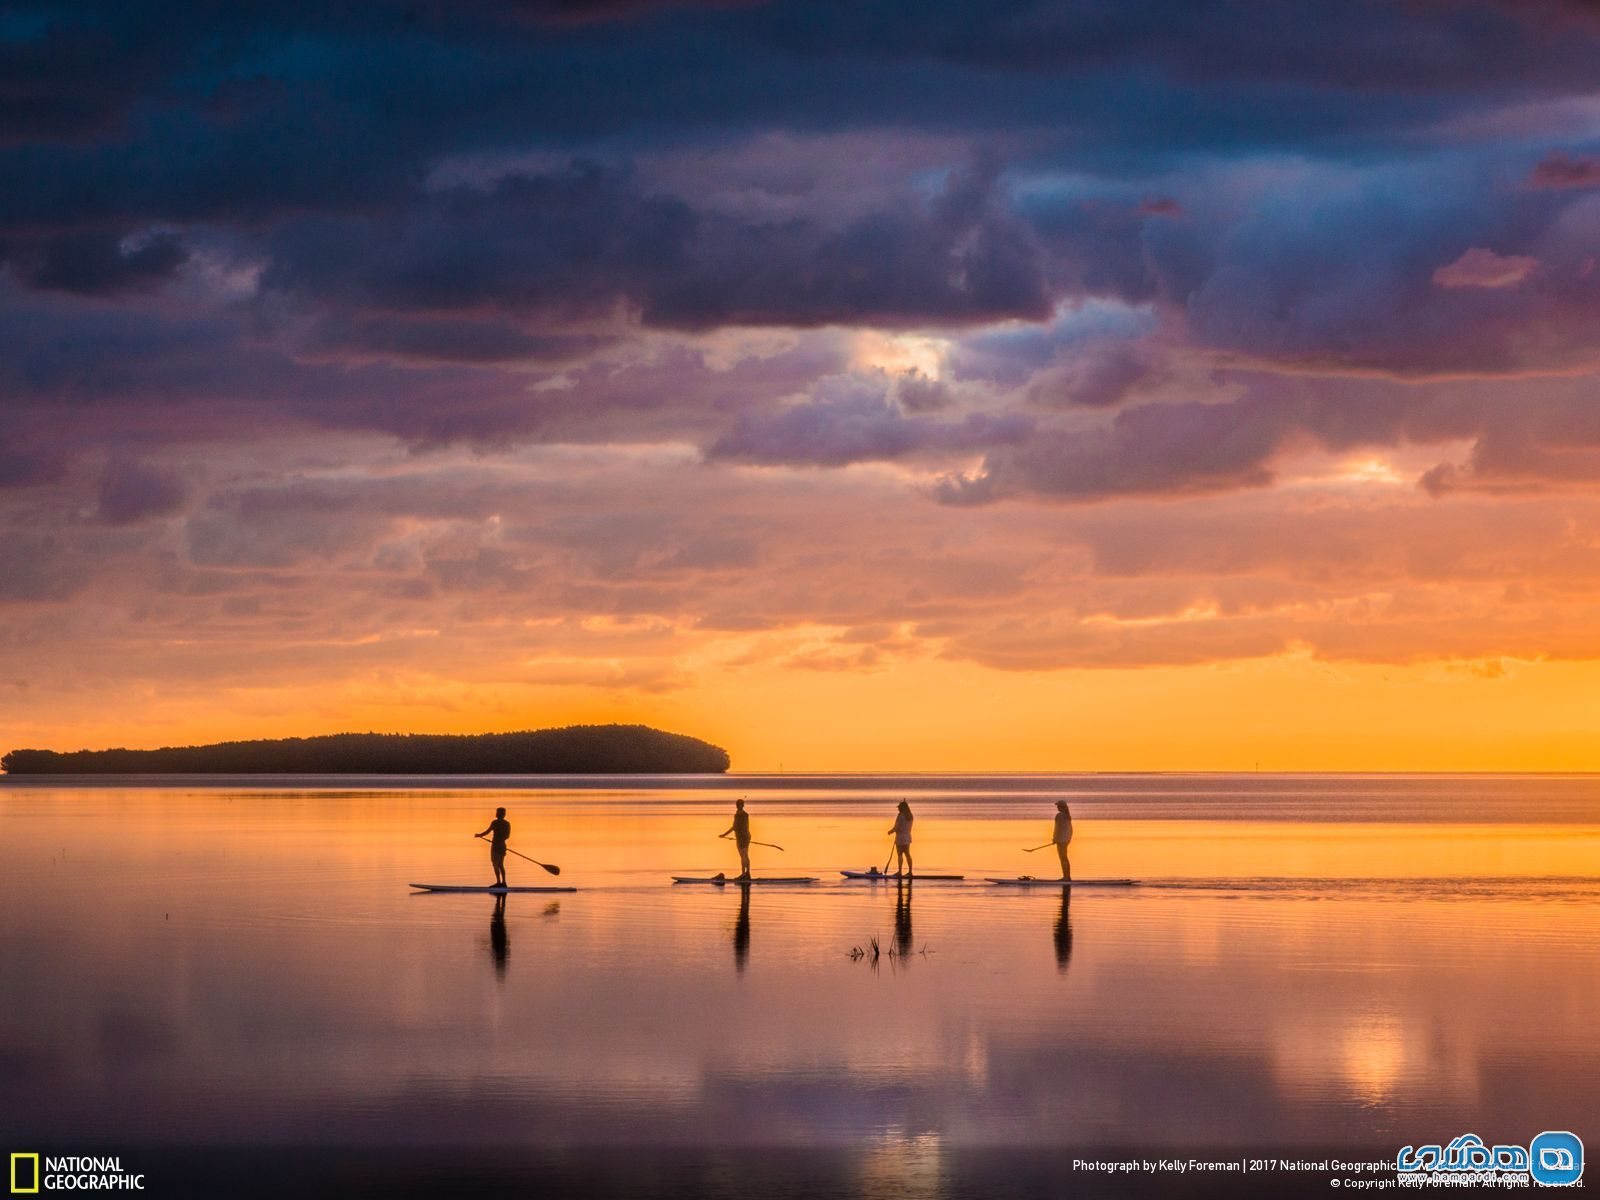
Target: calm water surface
pixel 231 979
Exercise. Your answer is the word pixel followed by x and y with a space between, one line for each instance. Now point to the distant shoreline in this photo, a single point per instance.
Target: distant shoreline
pixel 1068 783
pixel 574 750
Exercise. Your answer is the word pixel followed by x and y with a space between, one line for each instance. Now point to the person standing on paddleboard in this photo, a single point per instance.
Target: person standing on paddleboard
pixel 1062 837
pixel 902 840
pixel 741 836
pixel 500 828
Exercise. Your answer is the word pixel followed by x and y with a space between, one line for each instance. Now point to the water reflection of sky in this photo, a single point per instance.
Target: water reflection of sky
pixel 205 968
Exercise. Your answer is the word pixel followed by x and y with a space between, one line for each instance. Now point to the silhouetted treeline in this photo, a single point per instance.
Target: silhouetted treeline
pixel 576 750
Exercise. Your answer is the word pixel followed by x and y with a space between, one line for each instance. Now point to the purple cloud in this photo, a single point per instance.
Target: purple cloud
pixel 1558 170
pixel 1481 268
pixel 131 492
pixel 1153 449
pixel 854 421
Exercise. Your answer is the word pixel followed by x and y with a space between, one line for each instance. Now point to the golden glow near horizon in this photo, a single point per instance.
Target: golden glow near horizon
pixel 841 620
pixel 1284 713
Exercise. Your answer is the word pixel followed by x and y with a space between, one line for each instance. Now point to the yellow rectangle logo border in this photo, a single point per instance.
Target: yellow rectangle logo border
pixel 22 1191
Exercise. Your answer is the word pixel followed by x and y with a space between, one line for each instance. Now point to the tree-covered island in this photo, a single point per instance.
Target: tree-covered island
pixel 575 750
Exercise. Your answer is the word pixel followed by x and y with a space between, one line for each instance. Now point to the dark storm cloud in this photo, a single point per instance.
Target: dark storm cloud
pixel 72 72
pixel 575 242
pixel 442 340
pixel 1456 45
pixel 186 112
pixel 961 258
pixel 243 200
pixel 95 262
pixel 573 245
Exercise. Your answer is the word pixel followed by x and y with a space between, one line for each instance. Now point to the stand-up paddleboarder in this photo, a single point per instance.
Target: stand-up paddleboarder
pixel 902 839
pixel 1061 836
pixel 500 829
pixel 741 836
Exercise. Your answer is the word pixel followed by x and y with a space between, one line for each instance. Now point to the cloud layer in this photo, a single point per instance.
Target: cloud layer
pixel 633 344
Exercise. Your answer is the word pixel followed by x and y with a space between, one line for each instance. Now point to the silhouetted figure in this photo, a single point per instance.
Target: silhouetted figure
pixel 902 918
pixel 741 931
pixel 1062 836
pixel 1064 931
pixel 499 942
pixel 499 832
pixel 741 836
pixel 902 839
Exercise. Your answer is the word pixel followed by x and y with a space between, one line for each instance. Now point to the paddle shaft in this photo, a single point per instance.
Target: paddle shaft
pixel 1031 849
pixel 768 845
pixel 534 861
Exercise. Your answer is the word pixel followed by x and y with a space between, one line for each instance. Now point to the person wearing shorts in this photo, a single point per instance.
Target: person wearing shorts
pixel 499 832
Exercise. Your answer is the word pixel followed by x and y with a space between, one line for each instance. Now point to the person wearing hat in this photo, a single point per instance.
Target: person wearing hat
pixel 902 840
pixel 741 836
pixel 1062 837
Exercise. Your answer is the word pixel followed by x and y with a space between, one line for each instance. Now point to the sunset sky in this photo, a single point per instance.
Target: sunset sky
pixel 970 385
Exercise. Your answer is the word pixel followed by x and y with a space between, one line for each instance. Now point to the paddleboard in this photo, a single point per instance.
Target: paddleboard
pixel 497 891
pixel 733 879
pixel 885 876
pixel 1030 881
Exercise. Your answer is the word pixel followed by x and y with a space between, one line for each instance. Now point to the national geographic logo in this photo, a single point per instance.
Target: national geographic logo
pixel 31 1173
pixel 24 1174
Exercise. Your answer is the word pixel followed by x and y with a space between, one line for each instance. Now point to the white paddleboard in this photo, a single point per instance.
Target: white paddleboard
pixel 720 880
pixel 886 876
pixel 496 891
pixel 1030 881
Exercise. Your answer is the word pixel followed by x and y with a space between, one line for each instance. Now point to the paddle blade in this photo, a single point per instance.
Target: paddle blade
pixel 552 870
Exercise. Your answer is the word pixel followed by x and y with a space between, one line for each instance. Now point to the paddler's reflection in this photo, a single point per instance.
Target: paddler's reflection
pixel 1064 931
pixel 902 920
pixel 741 931
pixel 499 942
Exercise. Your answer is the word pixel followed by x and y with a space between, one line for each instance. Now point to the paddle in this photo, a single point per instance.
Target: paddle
pixel 1031 849
pixel 534 861
pixel 768 845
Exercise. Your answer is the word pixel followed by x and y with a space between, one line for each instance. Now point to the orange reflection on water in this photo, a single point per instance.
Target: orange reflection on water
pixel 427 837
pixel 197 957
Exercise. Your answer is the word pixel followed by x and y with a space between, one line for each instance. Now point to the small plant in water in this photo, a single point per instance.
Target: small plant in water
pixel 872 951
